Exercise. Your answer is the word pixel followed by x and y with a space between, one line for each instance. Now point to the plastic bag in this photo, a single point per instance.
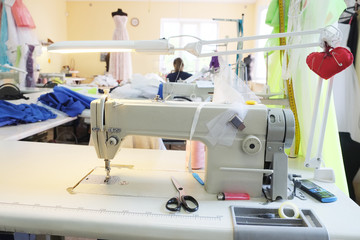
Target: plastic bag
pixel 22 15
pixel 229 88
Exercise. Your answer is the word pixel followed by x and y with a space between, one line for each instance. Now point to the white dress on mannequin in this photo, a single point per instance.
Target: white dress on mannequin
pixel 120 63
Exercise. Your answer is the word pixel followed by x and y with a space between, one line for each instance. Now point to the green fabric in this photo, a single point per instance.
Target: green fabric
pixel 272 19
pixel 314 15
pixel 272 16
pixel 18 56
pixel 275 82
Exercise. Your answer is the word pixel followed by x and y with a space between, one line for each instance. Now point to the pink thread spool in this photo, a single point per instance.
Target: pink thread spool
pixel 197 154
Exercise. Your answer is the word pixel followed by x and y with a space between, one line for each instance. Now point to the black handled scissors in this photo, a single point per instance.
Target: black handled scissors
pixel 188 202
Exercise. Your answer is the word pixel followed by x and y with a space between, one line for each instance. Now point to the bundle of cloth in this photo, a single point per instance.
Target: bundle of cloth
pixel 13 114
pixel 66 100
pixel 141 86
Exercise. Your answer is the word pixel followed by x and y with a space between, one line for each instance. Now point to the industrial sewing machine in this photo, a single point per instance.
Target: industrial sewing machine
pixel 257 149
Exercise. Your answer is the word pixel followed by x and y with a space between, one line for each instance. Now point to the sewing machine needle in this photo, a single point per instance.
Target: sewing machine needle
pixel 107 169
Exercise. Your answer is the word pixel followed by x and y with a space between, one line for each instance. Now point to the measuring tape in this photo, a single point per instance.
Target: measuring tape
pixel 289 83
pixel 282 24
pixel 292 104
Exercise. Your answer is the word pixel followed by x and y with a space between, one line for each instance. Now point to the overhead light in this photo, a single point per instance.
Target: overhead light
pixel 161 46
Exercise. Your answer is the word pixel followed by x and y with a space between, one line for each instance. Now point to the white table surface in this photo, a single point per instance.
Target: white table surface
pixel 34 178
pixel 21 131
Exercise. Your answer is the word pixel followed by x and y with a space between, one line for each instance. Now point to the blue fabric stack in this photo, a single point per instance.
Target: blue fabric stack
pixel 66 100
pixel 12 114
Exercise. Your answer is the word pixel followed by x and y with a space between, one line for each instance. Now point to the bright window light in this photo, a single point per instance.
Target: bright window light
pixel 189 30
pixel 259 71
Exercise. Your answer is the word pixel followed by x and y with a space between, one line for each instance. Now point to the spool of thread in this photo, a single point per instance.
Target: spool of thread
pixel 197 154
pixel 289 210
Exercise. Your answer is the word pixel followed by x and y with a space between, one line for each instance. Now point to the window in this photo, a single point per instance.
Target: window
pixel 198 28
pixel 259 71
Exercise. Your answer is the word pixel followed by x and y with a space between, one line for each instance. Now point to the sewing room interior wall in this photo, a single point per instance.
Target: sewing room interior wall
pixel 92 20
pixel 50 20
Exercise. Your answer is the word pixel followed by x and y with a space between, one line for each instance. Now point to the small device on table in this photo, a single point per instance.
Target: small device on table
pixel 317 192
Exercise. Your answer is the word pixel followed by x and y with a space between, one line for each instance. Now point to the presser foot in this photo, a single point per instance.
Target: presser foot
pixel 107 169
pixel 107 179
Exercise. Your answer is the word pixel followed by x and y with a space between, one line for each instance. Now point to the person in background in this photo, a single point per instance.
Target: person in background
pixel 178 71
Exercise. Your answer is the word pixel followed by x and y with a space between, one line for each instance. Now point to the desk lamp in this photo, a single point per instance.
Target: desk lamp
pixel 326 64
pixel 161 46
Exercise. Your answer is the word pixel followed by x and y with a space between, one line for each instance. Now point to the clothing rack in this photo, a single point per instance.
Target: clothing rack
pixel 350 10
pixel 240 33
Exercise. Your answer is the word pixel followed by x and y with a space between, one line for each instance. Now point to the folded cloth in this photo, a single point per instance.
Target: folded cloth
pixel 12 114
pixel 66 100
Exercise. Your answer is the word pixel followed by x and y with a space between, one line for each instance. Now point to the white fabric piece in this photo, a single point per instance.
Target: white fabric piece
pixel 229 88
pixel 220 131
pixel 27 36
pixel 140 87
pixel 330 35
pixel 120 63
pixel 126 92
pixel 106 80
pixel 346 92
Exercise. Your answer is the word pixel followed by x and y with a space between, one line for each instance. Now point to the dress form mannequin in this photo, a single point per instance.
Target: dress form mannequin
pixel 120 63
pixel 119 12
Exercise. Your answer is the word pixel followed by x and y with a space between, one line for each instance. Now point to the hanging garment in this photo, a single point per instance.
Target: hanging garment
pixel 214 62
pixel 29 80
pixel 12 41
pixel 346 92
pixel 21 63
pixel 352 41
pixel 3 39
pixel 27 36
pixel 66 100
pixel 1 7
pixel 22 15
pixel 12 114
pixel 120 63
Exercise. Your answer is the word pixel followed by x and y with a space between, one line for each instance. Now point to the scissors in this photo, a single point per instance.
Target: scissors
pixel 188 202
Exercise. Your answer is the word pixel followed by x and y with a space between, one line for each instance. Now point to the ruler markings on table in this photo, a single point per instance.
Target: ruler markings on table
pixel 196 217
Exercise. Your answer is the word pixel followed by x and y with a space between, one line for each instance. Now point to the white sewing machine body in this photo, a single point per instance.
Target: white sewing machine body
pixel 258 149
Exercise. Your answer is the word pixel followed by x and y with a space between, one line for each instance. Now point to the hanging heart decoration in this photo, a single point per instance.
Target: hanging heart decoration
pixel 330 62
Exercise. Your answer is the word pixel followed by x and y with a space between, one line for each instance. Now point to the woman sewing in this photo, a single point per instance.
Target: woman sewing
pixel 178 73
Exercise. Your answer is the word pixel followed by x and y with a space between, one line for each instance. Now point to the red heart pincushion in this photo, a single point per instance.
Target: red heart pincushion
pixel 327 64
